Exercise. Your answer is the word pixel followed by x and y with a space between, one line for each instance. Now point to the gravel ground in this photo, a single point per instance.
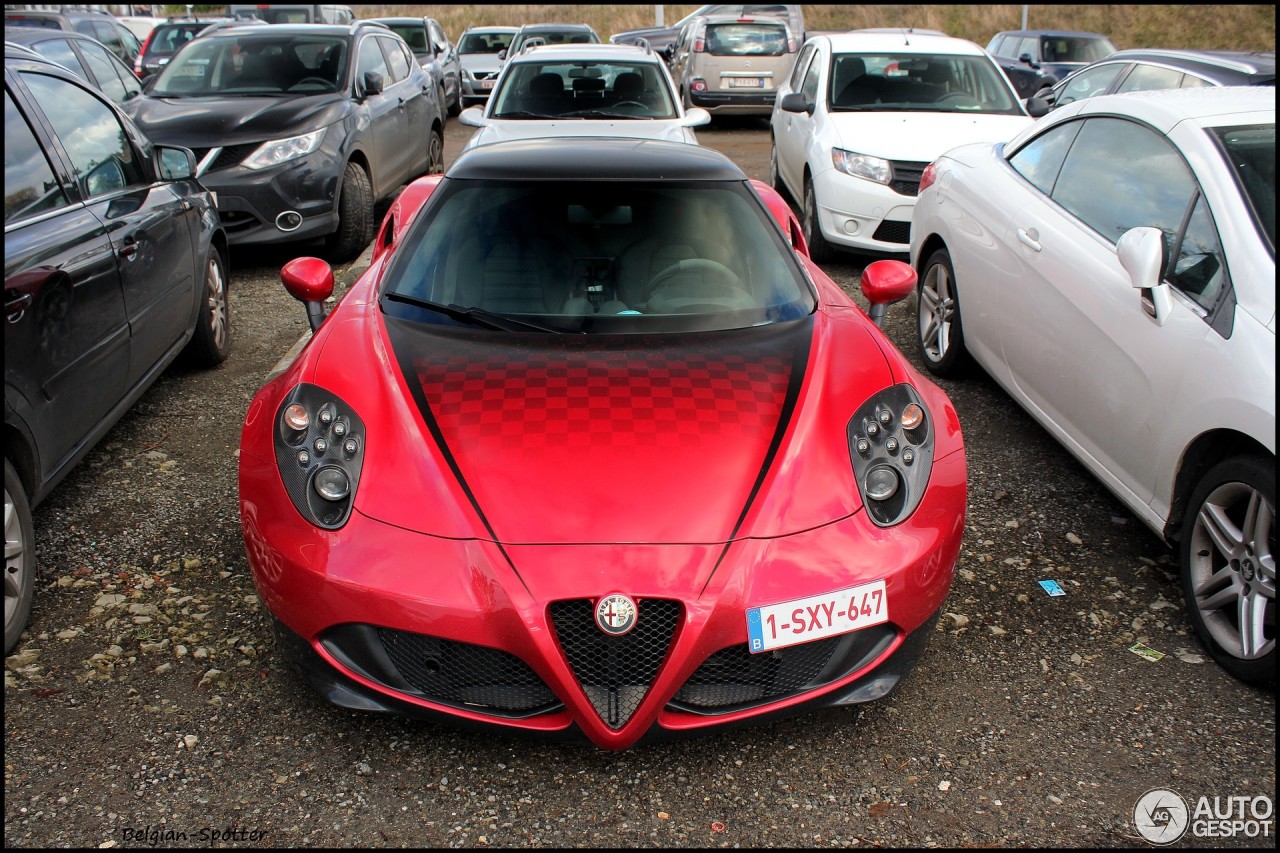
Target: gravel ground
pixel 146 705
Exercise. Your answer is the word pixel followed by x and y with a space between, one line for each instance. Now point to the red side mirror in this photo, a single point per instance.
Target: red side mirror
pixel 309 280
pixel 886 282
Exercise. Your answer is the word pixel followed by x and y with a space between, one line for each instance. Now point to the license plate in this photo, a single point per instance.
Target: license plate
pixel 486 84
pixel 746 82
pixel 802 620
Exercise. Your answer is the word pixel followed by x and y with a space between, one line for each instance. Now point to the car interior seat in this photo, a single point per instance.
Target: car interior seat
pixel 853 85
pixel 628 87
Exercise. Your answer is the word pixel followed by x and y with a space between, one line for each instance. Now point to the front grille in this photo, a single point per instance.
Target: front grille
pixel 893 232
pixel 906 177
pixel 615 672
pixel 733 679
pixel 232 155
pixel 455 673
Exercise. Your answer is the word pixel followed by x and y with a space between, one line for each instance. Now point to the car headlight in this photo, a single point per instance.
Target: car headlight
pixel 862 165
pixel 279 151
pixel 891 446
pixel 319 442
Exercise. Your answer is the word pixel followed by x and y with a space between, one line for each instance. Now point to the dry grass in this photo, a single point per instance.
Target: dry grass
pixel 1249 27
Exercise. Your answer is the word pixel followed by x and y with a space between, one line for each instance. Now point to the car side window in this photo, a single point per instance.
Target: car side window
pixel 90 133
pixel 1145 77
pixel 104 69
pixel 810 85
pixel 1040 160
pixel 1191 81
pixel 30 187
pixel 438 37
pixel 107 34
pixel 371 59
pixel 61 52
pixel 397 59
pixel 1198 268
pixel 802 64
pixel 1120 175
pixel 1090 82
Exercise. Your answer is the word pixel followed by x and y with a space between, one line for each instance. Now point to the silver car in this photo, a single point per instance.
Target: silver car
pixel 478 50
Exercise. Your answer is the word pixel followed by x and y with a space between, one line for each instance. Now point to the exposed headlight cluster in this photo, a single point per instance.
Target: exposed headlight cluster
pixel 862 166
pixel 319 443
pixel 891 445
pixel 279 151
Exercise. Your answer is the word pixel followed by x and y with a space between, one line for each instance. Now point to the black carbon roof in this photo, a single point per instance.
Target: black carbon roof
pixel 595 158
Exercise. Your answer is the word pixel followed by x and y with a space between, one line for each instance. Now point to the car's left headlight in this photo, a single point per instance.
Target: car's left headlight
pixel 279 151
pixel 891 446
pixel 319 443
pixel 862 165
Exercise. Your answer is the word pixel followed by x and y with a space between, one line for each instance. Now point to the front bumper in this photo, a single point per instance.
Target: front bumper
pixel 251 200
pixel 862 214
pixel 385 619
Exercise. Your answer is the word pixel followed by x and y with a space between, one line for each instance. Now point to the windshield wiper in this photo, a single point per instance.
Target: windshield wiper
pixel 523 114
pixel 603 114
pixel 481 317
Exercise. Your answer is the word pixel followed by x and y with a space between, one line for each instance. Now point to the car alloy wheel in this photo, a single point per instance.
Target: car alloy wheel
pixel 938 328
pixel 19 558
pixel 211 343
pixel 1229 566
pixel 355 215
pixel 435 153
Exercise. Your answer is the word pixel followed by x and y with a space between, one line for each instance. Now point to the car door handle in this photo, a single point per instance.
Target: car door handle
pixel 129 249
pixel 15 308
pixel 1030 238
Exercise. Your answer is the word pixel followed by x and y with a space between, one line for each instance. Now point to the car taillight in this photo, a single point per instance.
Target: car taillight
pixel 142 51
pixel 697 84
pixel 929 175
pixel 699 46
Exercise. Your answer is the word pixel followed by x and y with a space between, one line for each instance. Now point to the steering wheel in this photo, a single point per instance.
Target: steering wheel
pixel 958 96
pixel 320 80
pixel 630 104
pixel 722 284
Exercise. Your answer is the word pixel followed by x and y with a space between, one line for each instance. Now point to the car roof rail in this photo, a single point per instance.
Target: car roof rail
pixel 530 44
pixel 641 41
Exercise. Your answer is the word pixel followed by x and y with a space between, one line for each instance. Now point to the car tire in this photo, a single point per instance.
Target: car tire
pixel 455 107
pixel 211 343
pixel 355 215
pixel 820 250
pixel 1228 565
pixel 938 329
pixel 435 152
pixel 775 178
pixel 19 558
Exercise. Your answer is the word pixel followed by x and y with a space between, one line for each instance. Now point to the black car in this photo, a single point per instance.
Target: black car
pixel 1140 70
pixel 299 129
pixel 434 52
pixel 95 24
pixel 660 38
pixel 164 40
pixel 1036 59
pixel 114 266
pixel 86 56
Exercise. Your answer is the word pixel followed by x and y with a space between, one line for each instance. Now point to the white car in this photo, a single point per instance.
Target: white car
pixel 1113 268
pixel 478 50
pixel 584 90
pixel 860 117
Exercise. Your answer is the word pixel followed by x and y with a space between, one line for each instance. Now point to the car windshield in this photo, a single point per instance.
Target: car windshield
pixel 167 38
pixel 1251 153
pixel 919 83
pixel 556 37
pixel 249 65
pixel 484 42
pixel 596 257
pixel 596 89
pixel 1075 49
pixel 746 39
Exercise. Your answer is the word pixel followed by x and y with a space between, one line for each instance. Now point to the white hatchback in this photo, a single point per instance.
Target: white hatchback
pixel 863 113
pixel 584 90
pixel 1113 268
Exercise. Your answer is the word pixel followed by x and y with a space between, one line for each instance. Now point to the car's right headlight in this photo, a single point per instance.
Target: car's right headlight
pixel 891 447
pixel 279 151
pixel 862 165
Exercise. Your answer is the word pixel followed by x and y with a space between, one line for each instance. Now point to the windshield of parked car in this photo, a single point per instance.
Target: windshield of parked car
pixel 1251 153
pixel 575 36
pixel 167 38
pixel 596 257
pixel 595 89
pixel 915 83
pixel 484 42
pixel 414 35
pixel 253 65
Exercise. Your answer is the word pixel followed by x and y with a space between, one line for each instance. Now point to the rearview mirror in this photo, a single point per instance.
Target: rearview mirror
pixel 1142 253
pixel 884 283
pixel 794 102
pixel 310 281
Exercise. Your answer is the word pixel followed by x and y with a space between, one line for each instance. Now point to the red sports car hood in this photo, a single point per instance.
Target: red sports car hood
pixel 608 438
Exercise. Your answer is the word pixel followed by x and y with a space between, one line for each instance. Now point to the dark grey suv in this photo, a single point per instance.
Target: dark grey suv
pixel 114 265
pixel 299 129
